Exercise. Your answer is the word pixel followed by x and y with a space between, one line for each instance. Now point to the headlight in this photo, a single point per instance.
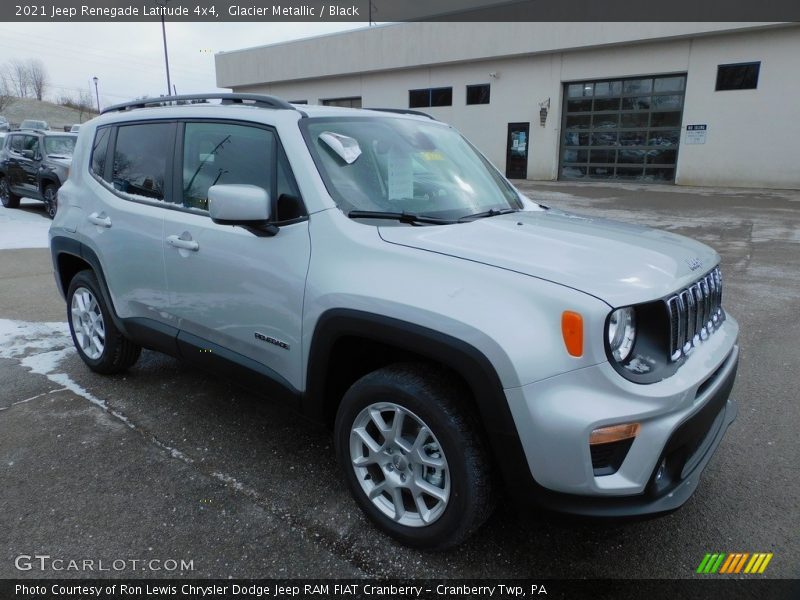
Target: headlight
pixel 621 332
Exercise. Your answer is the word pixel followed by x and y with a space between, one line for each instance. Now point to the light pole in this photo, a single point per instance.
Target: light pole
pixel 166 56
pixel 96 93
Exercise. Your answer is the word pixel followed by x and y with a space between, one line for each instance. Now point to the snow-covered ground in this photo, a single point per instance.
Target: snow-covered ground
pixel 20 228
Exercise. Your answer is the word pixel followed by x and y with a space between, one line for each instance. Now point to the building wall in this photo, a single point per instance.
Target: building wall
pixel 752 138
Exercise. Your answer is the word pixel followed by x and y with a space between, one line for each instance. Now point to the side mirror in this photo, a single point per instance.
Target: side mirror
pixel 248 206
pixel 27 154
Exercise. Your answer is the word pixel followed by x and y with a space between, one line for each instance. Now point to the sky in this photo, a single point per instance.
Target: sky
pixel 128 58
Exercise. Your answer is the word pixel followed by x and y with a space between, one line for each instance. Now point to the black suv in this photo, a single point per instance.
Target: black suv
pixel 34 164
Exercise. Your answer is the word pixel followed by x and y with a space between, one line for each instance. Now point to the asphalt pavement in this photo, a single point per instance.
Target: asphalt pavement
pixel 168 463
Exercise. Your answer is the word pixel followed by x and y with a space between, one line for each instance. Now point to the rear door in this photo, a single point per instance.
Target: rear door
pixel 125 221
pixel 232 288
pixel 29 165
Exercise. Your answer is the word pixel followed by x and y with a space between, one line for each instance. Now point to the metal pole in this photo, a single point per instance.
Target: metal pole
pixel 166 56
pixel 97 94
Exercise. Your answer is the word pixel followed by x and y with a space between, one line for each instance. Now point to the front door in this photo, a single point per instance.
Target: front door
pixel 517 150
pixel 226 285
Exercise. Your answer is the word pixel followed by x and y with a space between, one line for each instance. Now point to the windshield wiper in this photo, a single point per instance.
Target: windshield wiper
pixel 403 217
pixel 492 212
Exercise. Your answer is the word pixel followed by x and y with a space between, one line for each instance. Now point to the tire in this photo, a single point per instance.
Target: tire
pixel 447 467
pixel 50 199
pixel 8 198
pixel 99 343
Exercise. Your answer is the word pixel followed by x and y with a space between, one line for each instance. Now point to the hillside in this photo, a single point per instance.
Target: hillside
pixel 57 116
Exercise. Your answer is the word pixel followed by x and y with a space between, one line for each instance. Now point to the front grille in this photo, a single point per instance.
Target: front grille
pixel 694 313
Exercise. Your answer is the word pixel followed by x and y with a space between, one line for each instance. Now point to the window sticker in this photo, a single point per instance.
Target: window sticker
pixel 434 155
pixel 400 175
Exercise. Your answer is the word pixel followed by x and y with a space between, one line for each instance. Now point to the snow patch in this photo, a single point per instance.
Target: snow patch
pixel 23 229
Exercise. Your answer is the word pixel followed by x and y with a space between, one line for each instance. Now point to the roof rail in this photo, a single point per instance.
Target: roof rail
pixel 404 111
pixel 259 100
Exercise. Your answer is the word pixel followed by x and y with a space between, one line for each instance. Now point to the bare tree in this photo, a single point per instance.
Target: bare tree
pixel 16 73
pixel 83 103
pixel 6 93
pixel 37 77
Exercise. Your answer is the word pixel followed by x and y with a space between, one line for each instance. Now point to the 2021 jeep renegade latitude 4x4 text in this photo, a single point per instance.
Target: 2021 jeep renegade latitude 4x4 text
pixel 373 269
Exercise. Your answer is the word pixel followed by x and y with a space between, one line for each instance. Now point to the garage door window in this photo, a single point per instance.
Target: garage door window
pixel 622 129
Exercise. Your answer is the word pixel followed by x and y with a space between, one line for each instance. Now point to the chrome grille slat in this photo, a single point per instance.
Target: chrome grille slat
pixel 694 313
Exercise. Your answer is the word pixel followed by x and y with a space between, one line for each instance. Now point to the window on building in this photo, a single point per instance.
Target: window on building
pixel 140 159
pixel 298 101
pixel 478 94
pixel 351 102
pixel 419 98
pixel 743 76
pixel 423 98
pixel 223 153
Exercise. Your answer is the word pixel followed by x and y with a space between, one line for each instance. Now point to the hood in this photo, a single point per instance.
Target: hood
pixel 619 263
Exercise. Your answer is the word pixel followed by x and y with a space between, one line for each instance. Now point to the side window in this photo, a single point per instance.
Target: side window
pixel 141 155
pixel 99 151
pixel 218 153
pixel 31 142
pixel 16 143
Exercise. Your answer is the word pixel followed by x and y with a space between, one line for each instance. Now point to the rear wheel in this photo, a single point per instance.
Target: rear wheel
pixel 7 197
pixel 99 343
pixel 50 199
pixel 412 455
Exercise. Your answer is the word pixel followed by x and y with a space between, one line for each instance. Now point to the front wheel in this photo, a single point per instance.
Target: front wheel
pixel 413 456
pixel 99 343
pixel 7 197
pixel 50 200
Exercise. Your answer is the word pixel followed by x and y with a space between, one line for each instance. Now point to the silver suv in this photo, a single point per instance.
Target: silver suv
pixel 374 270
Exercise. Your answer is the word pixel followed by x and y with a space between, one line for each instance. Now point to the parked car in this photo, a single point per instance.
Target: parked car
pixel 34 124
pixel 375 271
pixel 34 164
pixel 75 128
pixel 4 125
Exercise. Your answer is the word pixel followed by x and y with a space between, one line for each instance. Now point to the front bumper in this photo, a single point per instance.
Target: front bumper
pixel 683 419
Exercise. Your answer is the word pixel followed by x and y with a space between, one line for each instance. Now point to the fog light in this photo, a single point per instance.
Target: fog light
pixel 614 433
pixel 662 469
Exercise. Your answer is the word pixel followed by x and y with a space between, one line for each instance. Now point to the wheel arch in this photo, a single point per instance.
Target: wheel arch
pixel 69 258
pixel 347 344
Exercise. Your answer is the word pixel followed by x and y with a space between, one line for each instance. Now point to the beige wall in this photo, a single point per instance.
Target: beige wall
pixel 753 135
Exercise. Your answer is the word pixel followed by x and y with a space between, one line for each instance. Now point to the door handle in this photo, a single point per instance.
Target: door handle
pixel 180 241
pixel 100 219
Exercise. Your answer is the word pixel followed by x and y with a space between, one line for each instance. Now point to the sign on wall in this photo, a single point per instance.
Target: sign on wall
pixel 696 134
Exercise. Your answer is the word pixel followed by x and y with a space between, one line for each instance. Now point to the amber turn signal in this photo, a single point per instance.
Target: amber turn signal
pixel 572 330
pixel 614 433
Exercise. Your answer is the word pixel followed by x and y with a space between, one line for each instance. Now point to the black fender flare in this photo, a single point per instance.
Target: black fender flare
pixel 64 245
pixel 456 354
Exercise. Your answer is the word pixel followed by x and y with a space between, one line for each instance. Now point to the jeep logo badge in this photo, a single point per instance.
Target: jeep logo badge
pixel 694 263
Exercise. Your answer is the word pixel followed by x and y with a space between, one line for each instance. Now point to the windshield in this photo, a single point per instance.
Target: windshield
pixel 59 145
pixel 404 166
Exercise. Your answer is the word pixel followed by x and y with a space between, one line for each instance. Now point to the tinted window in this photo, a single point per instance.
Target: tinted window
pixel 99 151
pixel 30 142
pixel 442 96
pixel 478 94
pixel 218 153
pixel 738 77
pixel 419 98
pixel 16 143
pixel 140 159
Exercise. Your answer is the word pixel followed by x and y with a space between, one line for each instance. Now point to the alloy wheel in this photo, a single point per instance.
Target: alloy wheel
pixel 87 323
pixel 400 464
